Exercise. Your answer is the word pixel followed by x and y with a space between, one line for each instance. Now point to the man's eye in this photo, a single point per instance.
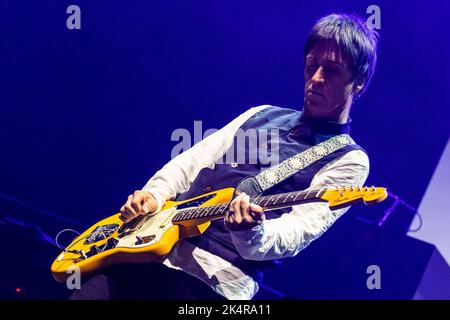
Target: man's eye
pixel 331 70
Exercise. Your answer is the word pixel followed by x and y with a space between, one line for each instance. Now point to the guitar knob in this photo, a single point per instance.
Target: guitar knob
pixel 139 240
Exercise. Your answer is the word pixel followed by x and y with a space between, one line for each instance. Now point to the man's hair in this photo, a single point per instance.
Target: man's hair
pixel 353 37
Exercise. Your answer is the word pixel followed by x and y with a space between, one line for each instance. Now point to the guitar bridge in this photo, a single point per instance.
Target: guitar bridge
pixel 101 232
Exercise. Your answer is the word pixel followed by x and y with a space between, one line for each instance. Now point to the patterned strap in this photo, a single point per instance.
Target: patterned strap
pixel 274 175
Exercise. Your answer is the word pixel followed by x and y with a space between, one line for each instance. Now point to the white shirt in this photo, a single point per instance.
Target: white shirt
pixel 274 238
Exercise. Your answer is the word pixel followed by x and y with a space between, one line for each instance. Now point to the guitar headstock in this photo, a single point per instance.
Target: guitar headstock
pixel 346 196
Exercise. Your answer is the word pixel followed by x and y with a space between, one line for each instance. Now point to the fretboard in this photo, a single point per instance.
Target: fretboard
pixel 271 202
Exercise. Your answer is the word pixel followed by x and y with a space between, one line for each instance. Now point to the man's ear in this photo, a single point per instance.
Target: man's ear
pixel 358 86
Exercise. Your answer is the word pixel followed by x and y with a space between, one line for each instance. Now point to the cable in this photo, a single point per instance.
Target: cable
pixel 59 233
pixel 419 216
pixel 400 201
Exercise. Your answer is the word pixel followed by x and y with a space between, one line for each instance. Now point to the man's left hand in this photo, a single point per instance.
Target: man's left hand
pixel 242 214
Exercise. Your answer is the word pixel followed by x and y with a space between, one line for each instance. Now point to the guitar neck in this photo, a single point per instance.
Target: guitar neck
pixel 288 199
pixel 271 202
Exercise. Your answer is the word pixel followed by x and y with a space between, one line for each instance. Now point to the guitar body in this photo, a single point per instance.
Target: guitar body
pixel 150 237
pixel 145 239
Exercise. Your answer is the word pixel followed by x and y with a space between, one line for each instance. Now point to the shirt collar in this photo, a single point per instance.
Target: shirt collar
pixel 325 127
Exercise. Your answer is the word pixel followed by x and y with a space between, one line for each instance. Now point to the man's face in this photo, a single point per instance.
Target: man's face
pixel 328 83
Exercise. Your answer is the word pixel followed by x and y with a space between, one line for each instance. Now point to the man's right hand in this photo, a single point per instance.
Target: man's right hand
pixel 138 203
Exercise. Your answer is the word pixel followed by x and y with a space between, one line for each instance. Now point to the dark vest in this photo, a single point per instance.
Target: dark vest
pixel 295 134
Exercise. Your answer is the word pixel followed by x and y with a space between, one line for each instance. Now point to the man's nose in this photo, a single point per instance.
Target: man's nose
pixel 318 76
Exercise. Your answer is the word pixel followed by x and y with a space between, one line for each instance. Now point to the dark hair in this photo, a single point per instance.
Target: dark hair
pixel 354 38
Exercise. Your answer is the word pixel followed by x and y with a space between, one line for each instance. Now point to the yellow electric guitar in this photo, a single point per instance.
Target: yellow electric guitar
pixel 150 237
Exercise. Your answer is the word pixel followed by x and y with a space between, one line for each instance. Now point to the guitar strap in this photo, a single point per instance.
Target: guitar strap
pixel 256 185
